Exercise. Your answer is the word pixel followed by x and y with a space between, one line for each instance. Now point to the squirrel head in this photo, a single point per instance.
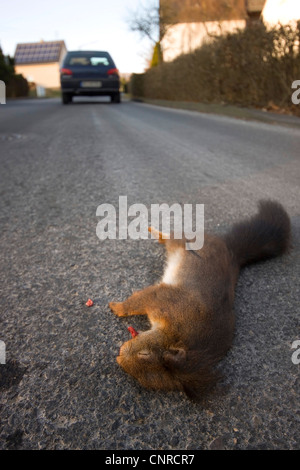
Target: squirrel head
pixel 159 365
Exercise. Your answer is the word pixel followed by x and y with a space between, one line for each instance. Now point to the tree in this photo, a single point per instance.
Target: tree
pixel 146 21
pixel 6 67
pixel 152 22
pixel 157 57
pixel 16 85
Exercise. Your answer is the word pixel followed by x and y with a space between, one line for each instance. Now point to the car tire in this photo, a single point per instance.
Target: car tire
pixel 66 98
pixel 116 98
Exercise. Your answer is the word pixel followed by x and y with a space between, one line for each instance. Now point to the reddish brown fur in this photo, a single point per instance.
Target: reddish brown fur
pixel 192 319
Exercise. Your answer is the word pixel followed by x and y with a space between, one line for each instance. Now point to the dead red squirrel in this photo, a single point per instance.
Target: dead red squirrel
pixel 191 309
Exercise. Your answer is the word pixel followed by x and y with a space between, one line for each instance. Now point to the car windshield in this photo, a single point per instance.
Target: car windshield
pixel 83 61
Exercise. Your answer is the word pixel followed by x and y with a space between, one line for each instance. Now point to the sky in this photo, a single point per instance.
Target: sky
pixel 93 24
pixel 82 24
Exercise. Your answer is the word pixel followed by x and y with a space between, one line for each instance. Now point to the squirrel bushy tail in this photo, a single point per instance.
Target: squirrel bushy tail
pixel 265 235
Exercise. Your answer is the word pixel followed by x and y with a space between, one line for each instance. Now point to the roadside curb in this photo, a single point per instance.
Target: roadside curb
pixel 238 112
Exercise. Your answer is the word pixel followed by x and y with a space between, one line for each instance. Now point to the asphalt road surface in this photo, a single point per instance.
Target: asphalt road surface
pixel 61 387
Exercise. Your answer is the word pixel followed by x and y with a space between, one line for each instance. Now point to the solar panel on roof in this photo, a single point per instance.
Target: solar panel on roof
pixel 38 52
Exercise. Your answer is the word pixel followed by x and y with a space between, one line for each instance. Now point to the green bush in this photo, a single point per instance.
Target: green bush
pixel 6 67
pixel 157 57
pixel 252 67
pixel 16 85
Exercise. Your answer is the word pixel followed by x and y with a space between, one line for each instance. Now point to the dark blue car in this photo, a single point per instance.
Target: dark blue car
pixel 89 73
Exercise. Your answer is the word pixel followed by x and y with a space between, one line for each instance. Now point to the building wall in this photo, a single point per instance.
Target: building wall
pixel 46 75
pixel 281 11
pixel 183 38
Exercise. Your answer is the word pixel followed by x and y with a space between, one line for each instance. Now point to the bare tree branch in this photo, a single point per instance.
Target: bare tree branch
pixel 146 21
pixel 152 21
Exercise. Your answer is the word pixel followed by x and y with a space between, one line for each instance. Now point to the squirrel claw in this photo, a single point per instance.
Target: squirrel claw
pixel 117 308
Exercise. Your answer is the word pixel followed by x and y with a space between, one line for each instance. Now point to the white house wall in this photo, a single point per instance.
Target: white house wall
pixel 183 38
pixel 186 37
pixel 281 11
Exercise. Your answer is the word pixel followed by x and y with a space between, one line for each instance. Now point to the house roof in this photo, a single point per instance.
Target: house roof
pixel 38 52
pixel 186 11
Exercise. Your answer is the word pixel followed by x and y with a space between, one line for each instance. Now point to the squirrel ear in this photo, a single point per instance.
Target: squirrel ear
pixel 175 357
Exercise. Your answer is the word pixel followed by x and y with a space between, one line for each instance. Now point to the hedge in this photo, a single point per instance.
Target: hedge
pixel 252 67
pixel 17 86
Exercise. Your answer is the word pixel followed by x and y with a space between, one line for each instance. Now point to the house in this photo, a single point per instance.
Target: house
pixel 281 11
pixel 194 22
pixel 39 62
pixel 190 23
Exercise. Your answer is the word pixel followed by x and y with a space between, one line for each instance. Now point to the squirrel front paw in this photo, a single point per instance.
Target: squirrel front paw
pixel 117 308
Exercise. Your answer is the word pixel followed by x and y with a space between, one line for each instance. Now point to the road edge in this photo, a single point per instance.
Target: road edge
pixel 232 111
